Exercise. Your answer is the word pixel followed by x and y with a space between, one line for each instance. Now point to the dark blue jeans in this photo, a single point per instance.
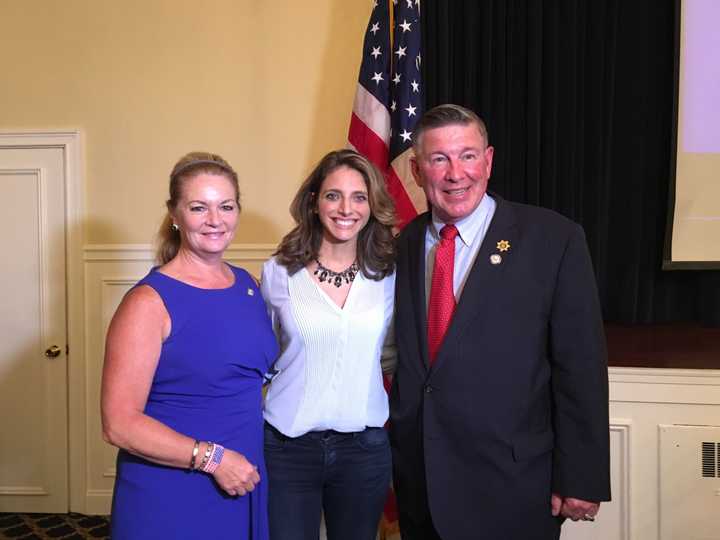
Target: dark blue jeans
pixel 345 475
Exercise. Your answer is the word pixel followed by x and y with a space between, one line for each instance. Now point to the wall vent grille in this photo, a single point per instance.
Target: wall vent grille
pixel 689 482
pixel 710 459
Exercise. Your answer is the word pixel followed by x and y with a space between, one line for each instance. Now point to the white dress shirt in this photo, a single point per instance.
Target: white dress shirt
pixel 328 374
pixel 472 230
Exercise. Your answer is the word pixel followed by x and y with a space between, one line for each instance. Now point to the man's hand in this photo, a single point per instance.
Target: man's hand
pixel 575 509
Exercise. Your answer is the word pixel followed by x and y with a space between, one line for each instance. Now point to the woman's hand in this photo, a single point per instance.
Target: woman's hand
pixel 236 475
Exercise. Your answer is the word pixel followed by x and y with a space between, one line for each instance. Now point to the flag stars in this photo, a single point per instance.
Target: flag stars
pixel 397 82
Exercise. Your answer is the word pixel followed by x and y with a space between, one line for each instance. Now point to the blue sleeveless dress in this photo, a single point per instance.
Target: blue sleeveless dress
pixel 207 386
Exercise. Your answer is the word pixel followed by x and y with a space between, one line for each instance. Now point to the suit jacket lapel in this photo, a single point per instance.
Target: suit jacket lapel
pixel 416 270
pixel 484 276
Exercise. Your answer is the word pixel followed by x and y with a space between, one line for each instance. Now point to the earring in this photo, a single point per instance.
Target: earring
pixel 174 227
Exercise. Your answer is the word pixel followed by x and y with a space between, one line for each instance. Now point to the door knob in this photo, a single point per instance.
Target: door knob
pixel 52 352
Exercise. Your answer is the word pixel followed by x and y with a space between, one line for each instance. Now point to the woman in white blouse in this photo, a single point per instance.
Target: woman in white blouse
pixel 329 289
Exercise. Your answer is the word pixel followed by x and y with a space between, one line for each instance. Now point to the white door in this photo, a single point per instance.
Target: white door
pixel 33 333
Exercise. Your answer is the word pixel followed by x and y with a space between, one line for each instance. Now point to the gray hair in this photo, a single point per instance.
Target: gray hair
pixel 448 114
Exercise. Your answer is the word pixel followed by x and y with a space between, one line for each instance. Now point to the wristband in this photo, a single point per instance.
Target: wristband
pixel 206 457
pixel 214 463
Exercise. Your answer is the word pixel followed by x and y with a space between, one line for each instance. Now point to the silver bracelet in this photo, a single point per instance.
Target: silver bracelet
pixel 195 451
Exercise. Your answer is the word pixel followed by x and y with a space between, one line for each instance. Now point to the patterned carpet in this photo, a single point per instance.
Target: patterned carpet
pixel 53 526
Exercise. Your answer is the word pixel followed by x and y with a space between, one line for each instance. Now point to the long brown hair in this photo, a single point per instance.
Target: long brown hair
pixel 376 244
pixel 187 167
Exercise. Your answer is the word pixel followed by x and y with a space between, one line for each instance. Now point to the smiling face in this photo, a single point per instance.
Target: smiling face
pixel 343 205
pixel 206 214
pixel 452 165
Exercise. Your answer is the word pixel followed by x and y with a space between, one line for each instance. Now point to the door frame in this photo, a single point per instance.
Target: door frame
pixel 69 141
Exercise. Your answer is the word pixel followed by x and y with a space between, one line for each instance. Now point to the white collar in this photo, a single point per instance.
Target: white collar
pixel 469 226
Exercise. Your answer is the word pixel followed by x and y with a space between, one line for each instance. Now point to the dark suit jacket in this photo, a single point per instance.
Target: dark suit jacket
pixel 515 405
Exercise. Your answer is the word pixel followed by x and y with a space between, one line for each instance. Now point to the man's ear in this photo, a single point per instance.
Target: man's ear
pixel 489 152
pixel 415 170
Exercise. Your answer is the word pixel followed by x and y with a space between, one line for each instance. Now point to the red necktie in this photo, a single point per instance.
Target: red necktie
pixel 442 297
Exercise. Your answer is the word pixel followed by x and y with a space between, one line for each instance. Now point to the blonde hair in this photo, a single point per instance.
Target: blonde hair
pixel 188 167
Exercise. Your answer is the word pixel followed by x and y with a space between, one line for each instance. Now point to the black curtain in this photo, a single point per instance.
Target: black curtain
pixel 578 99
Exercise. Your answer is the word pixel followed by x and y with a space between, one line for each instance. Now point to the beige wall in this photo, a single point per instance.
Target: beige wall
pixel 267 84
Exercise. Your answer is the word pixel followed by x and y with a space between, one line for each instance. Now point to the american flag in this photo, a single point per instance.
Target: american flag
pixel 389 98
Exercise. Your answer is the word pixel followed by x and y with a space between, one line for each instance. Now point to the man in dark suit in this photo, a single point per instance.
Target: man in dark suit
pixel 499 404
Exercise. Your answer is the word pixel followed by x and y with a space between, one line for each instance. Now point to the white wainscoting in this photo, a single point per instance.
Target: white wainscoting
pixel 652 398
pixel 641 400
pixel 613 522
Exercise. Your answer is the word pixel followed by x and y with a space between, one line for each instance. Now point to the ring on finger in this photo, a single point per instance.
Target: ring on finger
pixel 588 517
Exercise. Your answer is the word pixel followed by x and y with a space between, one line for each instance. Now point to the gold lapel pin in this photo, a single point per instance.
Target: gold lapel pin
pixel 495 259
pixel 503 245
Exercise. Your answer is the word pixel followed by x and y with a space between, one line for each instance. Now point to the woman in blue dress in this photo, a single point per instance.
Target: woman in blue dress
pixel 185 355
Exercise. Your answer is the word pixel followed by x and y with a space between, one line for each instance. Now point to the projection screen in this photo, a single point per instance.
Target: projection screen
pixel 693 235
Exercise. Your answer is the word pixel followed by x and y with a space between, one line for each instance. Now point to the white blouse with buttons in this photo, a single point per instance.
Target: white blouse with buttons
pixel 328 374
